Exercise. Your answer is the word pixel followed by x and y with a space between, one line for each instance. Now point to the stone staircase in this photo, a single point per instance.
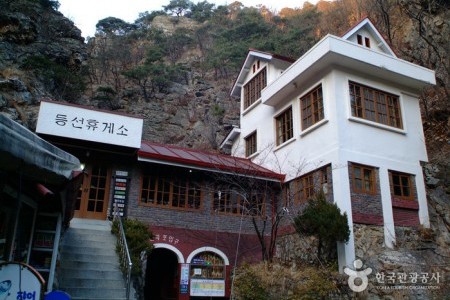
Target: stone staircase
pixel 89 267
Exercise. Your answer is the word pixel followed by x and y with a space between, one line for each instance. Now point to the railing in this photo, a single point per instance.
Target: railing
pixel 124 253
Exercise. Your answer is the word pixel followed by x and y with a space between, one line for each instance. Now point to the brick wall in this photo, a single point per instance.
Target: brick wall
pixel 366 207
pixel 204 218
pixel 187 240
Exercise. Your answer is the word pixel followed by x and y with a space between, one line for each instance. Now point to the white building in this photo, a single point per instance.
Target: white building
pixel 351 104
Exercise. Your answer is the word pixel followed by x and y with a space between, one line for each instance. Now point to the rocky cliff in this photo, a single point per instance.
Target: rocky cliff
pixel 38 47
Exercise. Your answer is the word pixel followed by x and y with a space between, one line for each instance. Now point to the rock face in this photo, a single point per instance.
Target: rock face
pixel 37 36
pixel 42 55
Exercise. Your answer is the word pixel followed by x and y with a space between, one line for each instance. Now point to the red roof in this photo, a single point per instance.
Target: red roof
pixel 169 154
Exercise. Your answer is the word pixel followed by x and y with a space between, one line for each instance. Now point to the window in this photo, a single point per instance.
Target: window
pixel 311 106
pixel 359 38
pixel 170 192
pixel 231 202
pixel 363 179
pixel 284 129
pixel 303 188
pixel 252 90
pixel 401 185
pixel 250 144
pixel 375 105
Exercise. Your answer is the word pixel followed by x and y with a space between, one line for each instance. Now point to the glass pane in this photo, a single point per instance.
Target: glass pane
pixel 91 205
pixel 396 179
pixel 94 181
pixel 101 194
pixel 92 194
pixel 99 206
pixel 405 181
pixel 406 192
pixel 102 182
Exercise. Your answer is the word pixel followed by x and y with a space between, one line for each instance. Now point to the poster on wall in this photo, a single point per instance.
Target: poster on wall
pixel 207 288
pixel 184 279
pixel 120 192
pixel 20 281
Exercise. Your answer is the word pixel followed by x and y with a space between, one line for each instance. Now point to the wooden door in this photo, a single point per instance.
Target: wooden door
pixel 92 201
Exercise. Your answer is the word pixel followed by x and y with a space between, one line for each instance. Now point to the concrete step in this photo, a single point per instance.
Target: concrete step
pixel 106 249
pixel 94 283
pixel 90 265
pixel 95 293
pixel 101 225
pixel 67 274
pixel 87 257
pixel 90 235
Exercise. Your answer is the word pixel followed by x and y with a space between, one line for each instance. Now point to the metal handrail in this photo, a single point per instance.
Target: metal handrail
pixel 124 253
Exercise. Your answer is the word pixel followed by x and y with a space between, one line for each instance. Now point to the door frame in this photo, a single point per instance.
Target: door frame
pixel 84 197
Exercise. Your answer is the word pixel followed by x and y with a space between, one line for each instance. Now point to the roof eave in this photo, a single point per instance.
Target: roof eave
pixel 230 138
pixel 179 162
pixel 23 151
pixel 253 53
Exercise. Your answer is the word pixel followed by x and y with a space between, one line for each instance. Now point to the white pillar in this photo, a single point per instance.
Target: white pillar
pixel 386 202
pixel 422 198
pixel 342 198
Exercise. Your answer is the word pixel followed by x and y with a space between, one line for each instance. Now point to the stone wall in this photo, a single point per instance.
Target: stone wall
pixel 292 249
pixel 369 240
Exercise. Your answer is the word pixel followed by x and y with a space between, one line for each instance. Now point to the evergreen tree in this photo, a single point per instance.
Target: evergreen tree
pixel 323 220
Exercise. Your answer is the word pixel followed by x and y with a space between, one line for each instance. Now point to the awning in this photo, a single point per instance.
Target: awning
pixel 22 150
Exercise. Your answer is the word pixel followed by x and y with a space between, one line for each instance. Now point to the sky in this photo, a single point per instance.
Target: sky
pixel 86 13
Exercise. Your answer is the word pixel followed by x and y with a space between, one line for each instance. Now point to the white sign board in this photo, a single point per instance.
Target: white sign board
pixel 90 125
pixel 19 282
pixel 207 288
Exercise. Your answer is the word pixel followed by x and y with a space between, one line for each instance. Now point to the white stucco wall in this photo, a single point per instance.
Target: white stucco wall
pixel 341 138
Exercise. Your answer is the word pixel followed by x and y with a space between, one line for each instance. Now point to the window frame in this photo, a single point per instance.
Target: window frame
pixel 409 185
pixel 301 189
pixel 315 110
pixel 252 89
pixel 284 122
pixel 375 105
pixel 168 190
pixel 251 144
pixel 230 197
pixel 305 188
pixel 371 180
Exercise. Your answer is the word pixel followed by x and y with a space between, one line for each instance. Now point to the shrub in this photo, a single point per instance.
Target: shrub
pixel 138 239
pixel 277 282
pixel 57 78
pixel 323 220
pixel 248 284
